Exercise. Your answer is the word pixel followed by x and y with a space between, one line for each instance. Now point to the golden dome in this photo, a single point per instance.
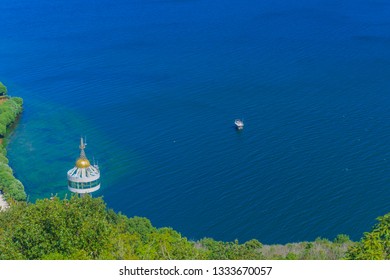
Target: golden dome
pixel 82 163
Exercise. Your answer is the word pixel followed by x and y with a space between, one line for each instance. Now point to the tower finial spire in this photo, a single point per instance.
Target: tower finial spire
pixel 82 147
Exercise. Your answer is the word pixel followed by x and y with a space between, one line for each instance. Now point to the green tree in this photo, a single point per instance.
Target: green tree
pixel 342 238
pixel 374 245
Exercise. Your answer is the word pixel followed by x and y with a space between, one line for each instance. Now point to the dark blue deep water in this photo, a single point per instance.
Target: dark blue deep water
pixel 155 85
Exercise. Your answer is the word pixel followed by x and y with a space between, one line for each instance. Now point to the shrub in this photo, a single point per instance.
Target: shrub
pixel 341 238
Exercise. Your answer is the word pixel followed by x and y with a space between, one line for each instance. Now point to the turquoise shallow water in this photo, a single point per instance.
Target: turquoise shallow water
pixel 156 85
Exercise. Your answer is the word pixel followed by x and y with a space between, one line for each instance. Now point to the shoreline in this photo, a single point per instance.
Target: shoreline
pixel 11 189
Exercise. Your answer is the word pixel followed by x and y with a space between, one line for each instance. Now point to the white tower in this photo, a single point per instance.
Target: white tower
pixel 84 177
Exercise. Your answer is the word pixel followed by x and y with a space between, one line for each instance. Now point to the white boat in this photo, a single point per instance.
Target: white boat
pixel 239 124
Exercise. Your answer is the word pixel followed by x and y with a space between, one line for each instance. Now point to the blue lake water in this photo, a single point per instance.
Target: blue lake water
pixel 156 85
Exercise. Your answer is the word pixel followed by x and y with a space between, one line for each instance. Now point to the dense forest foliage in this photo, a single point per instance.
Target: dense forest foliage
pixel 83 228
pixel 10 108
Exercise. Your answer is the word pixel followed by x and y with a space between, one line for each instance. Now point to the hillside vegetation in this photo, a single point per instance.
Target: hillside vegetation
pixel 10 108
pixel 83 228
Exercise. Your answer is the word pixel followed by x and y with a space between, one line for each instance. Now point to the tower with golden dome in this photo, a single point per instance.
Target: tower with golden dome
pixel 84 177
